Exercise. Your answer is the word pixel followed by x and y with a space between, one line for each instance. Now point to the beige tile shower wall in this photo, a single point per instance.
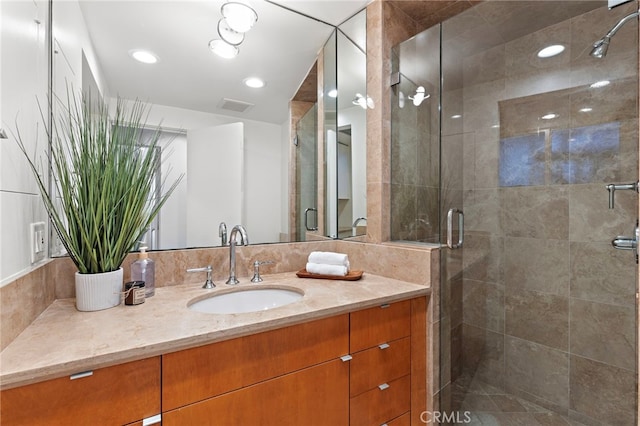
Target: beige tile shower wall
pixel 548 304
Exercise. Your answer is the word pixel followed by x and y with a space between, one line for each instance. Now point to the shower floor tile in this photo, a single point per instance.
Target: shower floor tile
pixel 486 405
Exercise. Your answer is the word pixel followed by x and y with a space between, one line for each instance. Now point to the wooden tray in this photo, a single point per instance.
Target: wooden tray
pixel 351 276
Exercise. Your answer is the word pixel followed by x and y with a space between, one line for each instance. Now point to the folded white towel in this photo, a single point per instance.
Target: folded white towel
pixel 329 258
pixel 324 269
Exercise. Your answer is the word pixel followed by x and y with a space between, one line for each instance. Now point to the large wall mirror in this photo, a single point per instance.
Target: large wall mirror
pixel 233 143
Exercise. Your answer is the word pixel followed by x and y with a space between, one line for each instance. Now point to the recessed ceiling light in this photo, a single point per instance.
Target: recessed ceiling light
pixel 550 116
pixel 456 116
pixel 223 49
pixel 254 82
pixel 549 51
pixel 143 56
pixel 600 83
pixel 586 109
pixel 333 93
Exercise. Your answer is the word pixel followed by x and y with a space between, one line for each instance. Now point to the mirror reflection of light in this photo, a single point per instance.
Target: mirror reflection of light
pixel 420 96
pixel 456 116
pixel 549 51
pixel 222 49
pixel 586 109
pixel 363 102
pixel 333 93
pixel 601 83
pixel 550 116
pixel 143 56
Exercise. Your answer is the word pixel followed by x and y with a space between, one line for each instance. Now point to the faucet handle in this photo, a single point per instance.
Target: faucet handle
pixel 209 282
pixel 256 270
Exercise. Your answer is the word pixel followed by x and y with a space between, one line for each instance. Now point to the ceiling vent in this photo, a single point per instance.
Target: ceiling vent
pixel 233 105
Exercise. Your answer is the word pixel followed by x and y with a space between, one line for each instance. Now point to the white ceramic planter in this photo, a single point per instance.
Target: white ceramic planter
pixel 95 292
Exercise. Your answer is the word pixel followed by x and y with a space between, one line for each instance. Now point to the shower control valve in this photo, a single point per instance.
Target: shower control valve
pixel 628 243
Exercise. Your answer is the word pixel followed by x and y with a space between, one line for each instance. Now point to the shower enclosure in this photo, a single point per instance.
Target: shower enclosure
pixel 507 159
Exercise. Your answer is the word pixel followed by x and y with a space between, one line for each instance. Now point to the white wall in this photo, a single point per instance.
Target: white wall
pixel 173 216
pixel 265 168
pixel 23 81
pixel 356 116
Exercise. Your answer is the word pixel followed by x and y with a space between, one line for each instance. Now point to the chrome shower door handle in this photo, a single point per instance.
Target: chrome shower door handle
pixel 306 219
pixel 450 214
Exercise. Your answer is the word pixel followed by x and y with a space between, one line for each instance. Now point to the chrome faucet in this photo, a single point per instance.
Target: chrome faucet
pixel 354 227
pixel 222 233
pixel 244 240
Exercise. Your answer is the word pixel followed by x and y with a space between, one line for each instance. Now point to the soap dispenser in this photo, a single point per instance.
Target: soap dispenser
pixel 144 269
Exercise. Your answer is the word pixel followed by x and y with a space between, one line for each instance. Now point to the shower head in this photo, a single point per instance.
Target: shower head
pixel 601 46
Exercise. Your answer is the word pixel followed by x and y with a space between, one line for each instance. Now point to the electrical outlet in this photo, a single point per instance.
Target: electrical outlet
pixel 38 241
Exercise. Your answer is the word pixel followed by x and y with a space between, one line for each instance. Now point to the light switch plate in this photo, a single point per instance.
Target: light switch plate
pixel 38 241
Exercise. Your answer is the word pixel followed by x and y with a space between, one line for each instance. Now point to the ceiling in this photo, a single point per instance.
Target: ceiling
pixel 281 48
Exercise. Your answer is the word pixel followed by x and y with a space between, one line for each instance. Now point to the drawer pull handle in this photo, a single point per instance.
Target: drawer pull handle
pixel 346 358
pixel 81 375
pixel 385 306
pixel 383 386
pixel 383 346
pixel 153 420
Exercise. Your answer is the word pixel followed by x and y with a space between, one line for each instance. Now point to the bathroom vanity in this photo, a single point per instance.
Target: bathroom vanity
pixel 347 353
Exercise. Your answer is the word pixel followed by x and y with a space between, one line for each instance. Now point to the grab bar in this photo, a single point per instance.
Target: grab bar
pixel 450 214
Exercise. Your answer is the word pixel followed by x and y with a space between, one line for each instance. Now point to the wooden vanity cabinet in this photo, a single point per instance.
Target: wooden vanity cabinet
pixel 363 368
pixel 380 379
pixel 316 395
pixel 293 375
pixel 388 367
pixel 115 395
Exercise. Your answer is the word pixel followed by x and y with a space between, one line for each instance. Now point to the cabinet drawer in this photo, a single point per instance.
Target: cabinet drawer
pixel 200 373
pixel 313 396
pixel 403 420
pixel 377 406
pixel 373 326
pixel 380 364
pixel 109 396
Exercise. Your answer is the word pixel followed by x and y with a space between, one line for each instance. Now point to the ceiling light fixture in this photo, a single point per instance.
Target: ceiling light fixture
pixel 223 49
pixel 239 16
pixel 420 96
pixel 254 82
pixel 227 34
pixel 363 102
pixel 586 109
pixel 456 116
pixel 549 51
pixel 143 56
pixel 601 83
pixel 549 116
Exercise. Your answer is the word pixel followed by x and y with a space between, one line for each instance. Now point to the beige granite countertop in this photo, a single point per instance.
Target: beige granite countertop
pixel 64 341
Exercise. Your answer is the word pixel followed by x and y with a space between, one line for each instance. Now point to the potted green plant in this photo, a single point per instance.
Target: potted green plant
pixel 104 183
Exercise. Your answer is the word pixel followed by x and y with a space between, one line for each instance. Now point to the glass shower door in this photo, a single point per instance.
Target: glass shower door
pixel 307 174
pixel 538 310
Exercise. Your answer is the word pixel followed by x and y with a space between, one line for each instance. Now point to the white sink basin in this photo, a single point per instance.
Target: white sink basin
pixel 245 300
